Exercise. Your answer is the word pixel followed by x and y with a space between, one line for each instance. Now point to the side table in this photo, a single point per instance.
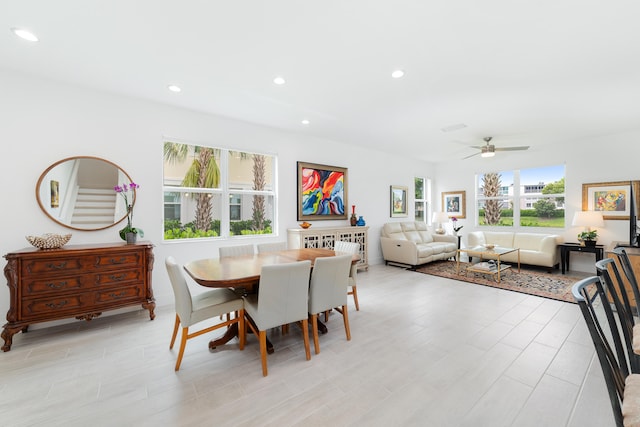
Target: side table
pixel 567 248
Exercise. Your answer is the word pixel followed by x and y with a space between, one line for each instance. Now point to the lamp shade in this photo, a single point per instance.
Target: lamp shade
pixel 588 219
pixel 440 217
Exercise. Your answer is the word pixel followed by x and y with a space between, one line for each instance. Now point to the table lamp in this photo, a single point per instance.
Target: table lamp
pixel 588 220
pixel 440 218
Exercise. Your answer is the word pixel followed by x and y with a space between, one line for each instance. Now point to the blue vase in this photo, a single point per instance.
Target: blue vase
pixel 360 221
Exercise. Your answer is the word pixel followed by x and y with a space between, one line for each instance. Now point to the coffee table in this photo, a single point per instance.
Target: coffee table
pixel 492 254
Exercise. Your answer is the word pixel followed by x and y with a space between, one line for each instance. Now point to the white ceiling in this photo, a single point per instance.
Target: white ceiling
pixel 532 73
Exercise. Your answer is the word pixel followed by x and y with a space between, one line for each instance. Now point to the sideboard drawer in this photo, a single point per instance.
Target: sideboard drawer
pixel 60 265
pixel 52 285
pixel 118 295
pixel 122 260
pixel 40 307
pixel 119 277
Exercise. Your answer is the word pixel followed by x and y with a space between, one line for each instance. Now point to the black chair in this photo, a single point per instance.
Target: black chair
pixel 620 298
pixel 627 269
pixel 623 389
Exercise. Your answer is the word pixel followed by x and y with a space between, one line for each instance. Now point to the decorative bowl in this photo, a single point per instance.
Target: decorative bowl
pixel 305 225
pixel 49 240
pixel 489 246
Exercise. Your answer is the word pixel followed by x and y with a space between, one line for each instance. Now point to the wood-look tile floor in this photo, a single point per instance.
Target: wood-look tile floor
pixel 425 351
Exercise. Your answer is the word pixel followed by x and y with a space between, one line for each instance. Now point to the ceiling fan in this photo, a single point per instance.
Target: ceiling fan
pixel 489 150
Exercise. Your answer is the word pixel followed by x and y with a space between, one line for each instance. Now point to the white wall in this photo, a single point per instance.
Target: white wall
pixel 589 160
pixel 44 122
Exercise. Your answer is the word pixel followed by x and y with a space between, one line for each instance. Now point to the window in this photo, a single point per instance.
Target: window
pixel 523 198
pixel 215 192
pixel 235 207
pixel 422 189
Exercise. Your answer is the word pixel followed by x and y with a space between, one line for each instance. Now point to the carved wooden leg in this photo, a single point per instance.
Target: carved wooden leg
pixel 150 305
pixel 8 333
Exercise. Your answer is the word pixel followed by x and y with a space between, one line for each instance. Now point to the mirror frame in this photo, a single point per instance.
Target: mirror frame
pixel 44 175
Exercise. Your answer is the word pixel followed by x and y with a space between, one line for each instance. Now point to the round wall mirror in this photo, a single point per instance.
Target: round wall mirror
pixel 78 193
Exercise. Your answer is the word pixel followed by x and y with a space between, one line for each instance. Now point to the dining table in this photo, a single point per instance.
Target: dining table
pixel 242 273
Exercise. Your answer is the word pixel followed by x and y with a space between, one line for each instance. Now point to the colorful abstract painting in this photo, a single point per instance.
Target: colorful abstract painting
pixel 610 198
pixel 322 192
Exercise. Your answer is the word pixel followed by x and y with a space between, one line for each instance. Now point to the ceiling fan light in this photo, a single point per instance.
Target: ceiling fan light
pixel 487 152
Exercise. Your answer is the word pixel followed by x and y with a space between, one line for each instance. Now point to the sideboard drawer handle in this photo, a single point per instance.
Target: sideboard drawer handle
pixel 120 295
pixel 56 306
pixel 60 266
pixel 117 278
pixel 118 261
pixel 57 286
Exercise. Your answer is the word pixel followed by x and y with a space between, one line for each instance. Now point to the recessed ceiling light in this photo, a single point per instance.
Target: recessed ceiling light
pixel 397 74
pixel 279 80
pixel 174 88
pixel 305 122
pixel 25 34
pixel 454 127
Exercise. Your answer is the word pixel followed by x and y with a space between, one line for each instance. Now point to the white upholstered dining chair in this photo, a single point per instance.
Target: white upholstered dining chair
pixel 281 299
pixel 328 290
pixel 194 309
pixel 271 247
pixel 352 248
pixel 228 251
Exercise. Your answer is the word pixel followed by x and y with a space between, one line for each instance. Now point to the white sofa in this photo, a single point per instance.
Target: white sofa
pixel 411 243
pixel 535 248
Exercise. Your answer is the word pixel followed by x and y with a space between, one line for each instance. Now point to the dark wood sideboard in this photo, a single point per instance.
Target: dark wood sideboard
pixel 78 281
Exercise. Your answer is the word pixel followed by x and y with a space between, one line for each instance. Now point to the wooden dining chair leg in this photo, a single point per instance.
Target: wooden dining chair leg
pixel 354 292
pixel 314 332
pixel 326 316
pixel 242 333
pixel 263 351
pixel 183 344
pixel 175 331
pixel 345 318
pixel 305 337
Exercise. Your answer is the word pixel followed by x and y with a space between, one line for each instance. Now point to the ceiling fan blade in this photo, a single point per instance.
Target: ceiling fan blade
pixel 524 147
pixel 470 156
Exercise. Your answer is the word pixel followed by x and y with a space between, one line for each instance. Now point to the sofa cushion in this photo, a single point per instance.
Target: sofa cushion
pixel 500 238
pixel 528 241
pixel 425 251
pixel 393 230
pixel 442 247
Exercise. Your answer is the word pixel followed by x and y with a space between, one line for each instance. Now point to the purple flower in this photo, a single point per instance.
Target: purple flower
pixel 124 190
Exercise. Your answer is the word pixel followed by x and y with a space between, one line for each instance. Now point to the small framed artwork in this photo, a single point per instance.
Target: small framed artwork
pixel 453 203
pixel 322 192
pixel 55 194
pixel 610 198
pixel 398 201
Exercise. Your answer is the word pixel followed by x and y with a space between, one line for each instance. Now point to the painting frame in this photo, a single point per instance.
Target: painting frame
pixel 55 193
pixel 333 207
pixel 398 202
pixel 594 193
pixel 454 203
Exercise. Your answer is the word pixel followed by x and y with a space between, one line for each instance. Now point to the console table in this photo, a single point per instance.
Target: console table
pixel 78 281
pixel 567 248
pixel 325 237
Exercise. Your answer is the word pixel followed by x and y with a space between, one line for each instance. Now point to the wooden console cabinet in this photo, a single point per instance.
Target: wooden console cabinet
pixel 78 281
pixel 324 238
pixel 634 258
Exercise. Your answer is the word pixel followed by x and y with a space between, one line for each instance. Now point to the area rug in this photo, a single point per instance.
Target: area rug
pixel 528 281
